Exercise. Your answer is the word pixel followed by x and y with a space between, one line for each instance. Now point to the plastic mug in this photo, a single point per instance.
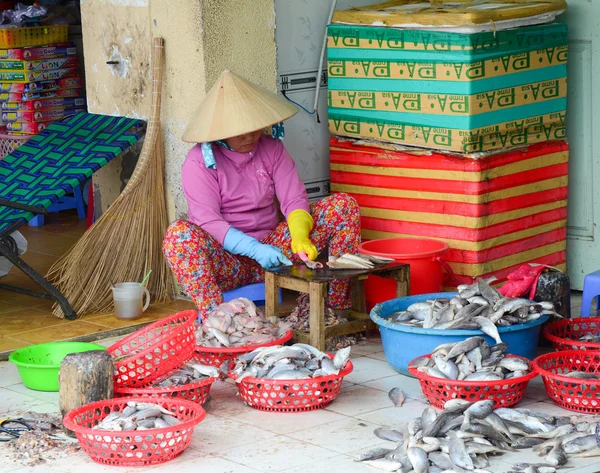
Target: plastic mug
pixel 127 297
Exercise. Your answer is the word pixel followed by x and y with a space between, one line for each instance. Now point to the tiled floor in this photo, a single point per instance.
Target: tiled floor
pixel 28 320
pixel 235 438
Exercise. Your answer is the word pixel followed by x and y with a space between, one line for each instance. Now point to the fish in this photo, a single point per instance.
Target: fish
pixel 447 367
pixel 589 337
pixel 340 358
pixel 488 327
pixel 385 433
pixel 464 347
pixel 581 444
pixel 442 443
pixel 374 454
pixel 418 459
pixel 473 360
pixel 458 453
pixel 557 456
pixel 238 323
pixel 478 410
pixel 138 416
pixel 397 396
pixel 478 306
pixel 384 464
pixel 582 375
pixel 298 361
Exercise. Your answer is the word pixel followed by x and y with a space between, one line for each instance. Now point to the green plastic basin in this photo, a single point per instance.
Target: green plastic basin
pixel 38 365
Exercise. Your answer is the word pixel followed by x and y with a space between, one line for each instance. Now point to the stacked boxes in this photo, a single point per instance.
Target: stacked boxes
pixel 449 124
pixel 39 85
pixel 495 213
pixel 464 93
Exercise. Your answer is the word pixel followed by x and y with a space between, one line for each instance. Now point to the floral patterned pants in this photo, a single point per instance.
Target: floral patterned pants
pixel 205 269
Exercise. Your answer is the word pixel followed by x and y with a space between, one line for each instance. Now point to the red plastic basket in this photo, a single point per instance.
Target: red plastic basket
pixel 133 448
pixel 564 334
pixel 217 356
pixel 579 395
pixel 196 392
pixel 154 350
pixel 504 393
pixel 292 395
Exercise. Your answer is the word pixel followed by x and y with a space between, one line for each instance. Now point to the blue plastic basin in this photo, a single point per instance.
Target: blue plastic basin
pixel 402 344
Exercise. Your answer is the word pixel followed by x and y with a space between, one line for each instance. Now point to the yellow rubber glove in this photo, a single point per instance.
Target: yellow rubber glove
pixel 300 224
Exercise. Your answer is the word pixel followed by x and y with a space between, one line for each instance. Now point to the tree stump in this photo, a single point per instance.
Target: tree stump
pixel 85 377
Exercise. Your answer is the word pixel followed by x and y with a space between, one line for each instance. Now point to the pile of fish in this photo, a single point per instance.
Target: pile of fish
pixel 358 261
pixel 138 416
pixel 477 306
pixel 298 361
pixel 45 442
pixel 588 337
pixel 472 360
pixel 299 319
pixel 189 373
pixel 237 323
pixel 462 437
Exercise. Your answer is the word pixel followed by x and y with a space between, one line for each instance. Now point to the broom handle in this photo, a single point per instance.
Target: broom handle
pixel 153 129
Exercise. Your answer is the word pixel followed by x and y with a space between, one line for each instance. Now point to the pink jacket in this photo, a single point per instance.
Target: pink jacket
pixel 241 191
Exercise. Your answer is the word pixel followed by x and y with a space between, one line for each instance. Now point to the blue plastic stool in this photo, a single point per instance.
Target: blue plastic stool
pixel 66 203
pixel 591 289
pixel 254 292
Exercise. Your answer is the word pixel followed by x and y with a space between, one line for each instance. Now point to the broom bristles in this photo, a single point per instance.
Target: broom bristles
pixel 125 242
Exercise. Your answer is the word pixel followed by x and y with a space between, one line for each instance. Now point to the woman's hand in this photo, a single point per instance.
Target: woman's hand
pixel 300 224
pixel 269 256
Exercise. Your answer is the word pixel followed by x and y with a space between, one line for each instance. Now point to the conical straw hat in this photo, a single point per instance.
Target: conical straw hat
pixel 235 106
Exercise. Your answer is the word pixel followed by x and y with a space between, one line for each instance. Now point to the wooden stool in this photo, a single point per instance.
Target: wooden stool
pixel 315 283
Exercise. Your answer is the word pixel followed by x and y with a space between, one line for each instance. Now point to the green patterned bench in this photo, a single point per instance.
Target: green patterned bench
pixel 47 167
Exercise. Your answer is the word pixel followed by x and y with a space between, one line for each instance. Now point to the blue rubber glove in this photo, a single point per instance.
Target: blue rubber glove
pixel 267 256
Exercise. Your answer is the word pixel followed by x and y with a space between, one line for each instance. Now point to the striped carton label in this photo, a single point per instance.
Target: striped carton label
pixel 533 37
pixel 412 70
pixel 504 135
pixel 449 104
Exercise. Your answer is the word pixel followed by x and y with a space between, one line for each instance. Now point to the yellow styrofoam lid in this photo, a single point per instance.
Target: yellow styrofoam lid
pixel 445 13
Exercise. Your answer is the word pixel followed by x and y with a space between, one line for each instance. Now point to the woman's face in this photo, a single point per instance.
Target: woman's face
pixel 244 143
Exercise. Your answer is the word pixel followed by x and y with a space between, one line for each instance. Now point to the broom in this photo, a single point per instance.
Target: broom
pixel 126 241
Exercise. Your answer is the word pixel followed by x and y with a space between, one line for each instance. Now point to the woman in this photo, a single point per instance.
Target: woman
pixel 236 179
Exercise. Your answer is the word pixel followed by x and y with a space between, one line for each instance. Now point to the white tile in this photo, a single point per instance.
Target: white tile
pixel 382 444
pixel 44 396
pixel 342 436
pixel 73 463
pixel 9 374
pixel 109 341
pixel 219 387
pixel 222 434
pixel 226 403
pixel 371 345
pixel 11 401
pixel 410 386
pixel 339 464
pixel 355 400
pixel 190 463
pixel 393 416
pixel 581 465
pixel 535 390
pixel 591 467
pixel 377 356
pixel 369 369
pixel 44 408
pixel 277 454
pixel 289 422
